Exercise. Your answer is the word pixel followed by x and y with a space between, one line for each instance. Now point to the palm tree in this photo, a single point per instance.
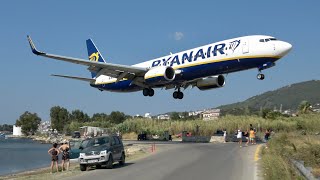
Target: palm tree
pixel 304 107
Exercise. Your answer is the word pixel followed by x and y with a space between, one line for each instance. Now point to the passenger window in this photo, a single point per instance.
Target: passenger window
pixel 112 141
pixel 261 40
pixel 267 40
pixel 116 140
pixel 273 39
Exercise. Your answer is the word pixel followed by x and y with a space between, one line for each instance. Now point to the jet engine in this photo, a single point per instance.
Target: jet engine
pixel 160 75
pixel 211 82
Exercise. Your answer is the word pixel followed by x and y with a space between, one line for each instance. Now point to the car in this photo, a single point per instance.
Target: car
pixel 76 134
pixel 188 134
pixel 101 151
pixel 74 151
pixel 142 136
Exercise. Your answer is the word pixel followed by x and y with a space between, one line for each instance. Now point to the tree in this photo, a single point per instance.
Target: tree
pixel 174 116
pixel 29 123
pixel 6 127
pixel 117 117
pixel 79 116
pixel 59 118
pixel 100 117
pixel 304 107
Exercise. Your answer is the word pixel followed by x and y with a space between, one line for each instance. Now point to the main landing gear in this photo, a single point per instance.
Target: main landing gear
pixel 148 92
pixel 260 76
pixel 177 94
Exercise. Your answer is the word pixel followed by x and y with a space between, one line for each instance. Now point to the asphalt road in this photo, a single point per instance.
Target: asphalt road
pixel 179 161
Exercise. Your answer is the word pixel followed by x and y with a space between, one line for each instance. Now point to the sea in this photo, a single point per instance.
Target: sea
pixel 22 154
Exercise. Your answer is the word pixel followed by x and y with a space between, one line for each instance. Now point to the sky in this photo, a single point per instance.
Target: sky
pixel 129 32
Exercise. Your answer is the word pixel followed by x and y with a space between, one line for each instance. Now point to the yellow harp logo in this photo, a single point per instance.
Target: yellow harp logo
pixel 94 57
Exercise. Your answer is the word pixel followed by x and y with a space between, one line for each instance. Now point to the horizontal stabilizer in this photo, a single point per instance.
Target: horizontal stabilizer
pixel 77 78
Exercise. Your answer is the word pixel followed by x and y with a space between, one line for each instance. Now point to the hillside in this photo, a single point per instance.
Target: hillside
pixel 289 96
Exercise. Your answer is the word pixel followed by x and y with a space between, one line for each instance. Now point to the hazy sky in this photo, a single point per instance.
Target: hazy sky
pixel 128 32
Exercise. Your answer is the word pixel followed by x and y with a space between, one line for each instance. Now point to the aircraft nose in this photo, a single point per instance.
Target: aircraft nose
pixel 284 48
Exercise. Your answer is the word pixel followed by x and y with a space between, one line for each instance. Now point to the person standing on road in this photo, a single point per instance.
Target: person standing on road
pixel 54 152
pixel 252 136
pixel 225 135
pixel 239 137
pixel 246 134
pixel 65 154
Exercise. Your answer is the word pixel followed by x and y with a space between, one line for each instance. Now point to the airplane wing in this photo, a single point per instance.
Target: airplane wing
pixel 91 80
pixel 113 70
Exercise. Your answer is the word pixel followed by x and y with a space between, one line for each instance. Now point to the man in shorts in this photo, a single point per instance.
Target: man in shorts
pixel 239 137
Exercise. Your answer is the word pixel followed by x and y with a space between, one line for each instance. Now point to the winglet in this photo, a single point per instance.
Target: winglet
pixel 33 47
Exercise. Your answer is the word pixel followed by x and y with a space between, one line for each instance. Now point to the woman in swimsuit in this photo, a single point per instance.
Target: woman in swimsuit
pixel 54 152
pixel 65 155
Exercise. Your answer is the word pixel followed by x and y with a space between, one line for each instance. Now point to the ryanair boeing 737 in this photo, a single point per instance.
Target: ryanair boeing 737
pixel 202 67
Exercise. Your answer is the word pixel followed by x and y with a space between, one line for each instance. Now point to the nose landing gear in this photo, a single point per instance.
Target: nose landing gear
pixel 260 76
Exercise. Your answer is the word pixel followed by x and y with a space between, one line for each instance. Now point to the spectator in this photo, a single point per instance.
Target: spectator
pixel 65 154
pixel 54 152
pixel 225 135
pixel 239 137
pixel 252 136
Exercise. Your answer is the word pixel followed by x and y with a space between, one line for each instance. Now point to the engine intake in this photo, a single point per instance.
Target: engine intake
pixel 211 82
pixel 160 75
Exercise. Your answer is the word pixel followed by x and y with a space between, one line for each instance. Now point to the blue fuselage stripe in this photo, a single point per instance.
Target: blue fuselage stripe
pixel 193 72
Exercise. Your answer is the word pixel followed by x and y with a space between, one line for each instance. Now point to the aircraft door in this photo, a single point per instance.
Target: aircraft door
pixel 245 46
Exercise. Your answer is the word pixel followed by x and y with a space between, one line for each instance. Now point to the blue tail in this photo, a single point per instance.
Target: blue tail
pixel 94 54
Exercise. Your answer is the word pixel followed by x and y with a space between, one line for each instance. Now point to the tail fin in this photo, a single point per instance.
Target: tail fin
pixel 94 54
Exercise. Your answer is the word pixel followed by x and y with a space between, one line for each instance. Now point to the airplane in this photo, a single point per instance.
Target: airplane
pixel 202 67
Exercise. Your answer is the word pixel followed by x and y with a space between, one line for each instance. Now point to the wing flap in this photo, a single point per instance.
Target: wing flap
pixel 76 78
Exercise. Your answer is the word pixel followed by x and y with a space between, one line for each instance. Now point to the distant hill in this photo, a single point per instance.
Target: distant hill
pixel 289 96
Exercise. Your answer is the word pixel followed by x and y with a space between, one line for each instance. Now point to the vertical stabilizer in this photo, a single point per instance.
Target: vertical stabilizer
pixel 94 54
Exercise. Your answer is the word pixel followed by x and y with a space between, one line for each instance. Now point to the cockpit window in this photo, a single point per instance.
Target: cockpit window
pixel 268 39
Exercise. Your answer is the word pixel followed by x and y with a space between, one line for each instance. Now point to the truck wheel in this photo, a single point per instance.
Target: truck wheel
pixel 123 159
pixel 109 163
pixel 83 167
pixel 98 166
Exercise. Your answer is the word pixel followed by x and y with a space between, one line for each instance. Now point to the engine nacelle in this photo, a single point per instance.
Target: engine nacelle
pixel 211 82
pixel 160 75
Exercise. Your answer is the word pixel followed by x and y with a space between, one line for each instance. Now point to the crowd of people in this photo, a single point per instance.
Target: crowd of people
pixel 54 152
pixel 249 134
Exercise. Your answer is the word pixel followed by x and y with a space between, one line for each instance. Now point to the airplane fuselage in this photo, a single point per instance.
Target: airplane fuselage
pixel 218 58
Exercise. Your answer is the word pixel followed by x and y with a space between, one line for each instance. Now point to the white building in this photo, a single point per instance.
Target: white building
pixel 210 114
pixel 16 131
pixel 195 113
pixel 163 117
pixel 147 115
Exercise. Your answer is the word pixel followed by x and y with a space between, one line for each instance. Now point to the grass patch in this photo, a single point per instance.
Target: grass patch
pixel 286 146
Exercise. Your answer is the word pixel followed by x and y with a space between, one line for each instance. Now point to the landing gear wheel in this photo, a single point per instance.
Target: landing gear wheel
pixel 145 92
pixel 175 94
pixel 178 95
pixel 260 76
pixel 151 92
pixel 148 92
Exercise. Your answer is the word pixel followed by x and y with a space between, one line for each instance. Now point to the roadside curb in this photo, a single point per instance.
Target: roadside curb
pixel 257 153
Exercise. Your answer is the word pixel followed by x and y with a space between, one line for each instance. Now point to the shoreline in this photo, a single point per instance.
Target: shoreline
pixel 140 151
